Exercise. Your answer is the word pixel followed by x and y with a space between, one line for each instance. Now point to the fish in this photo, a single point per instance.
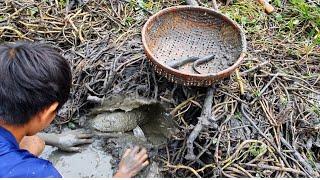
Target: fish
pixel 202 61
pixel 181 61
pixel 196 61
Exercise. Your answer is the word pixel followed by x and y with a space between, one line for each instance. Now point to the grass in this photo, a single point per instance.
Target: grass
pixel 295 23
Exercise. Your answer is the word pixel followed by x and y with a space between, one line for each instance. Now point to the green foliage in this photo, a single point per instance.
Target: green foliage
pixel 283 100
pixel 311 159
pixel 316 109
pixel 63 3
pixel 133 3
pixel 295 23
pixel 71 125
pixel 256 150
pixel 246 14
pixel 256 93
pixel 237 115
pixel 33 11
pixel 277 3
pixel 307 14
pixel 146 4
pixel 129 21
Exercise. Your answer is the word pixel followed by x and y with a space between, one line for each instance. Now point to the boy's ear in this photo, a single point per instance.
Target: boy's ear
pixel 49 112
pixel 53 107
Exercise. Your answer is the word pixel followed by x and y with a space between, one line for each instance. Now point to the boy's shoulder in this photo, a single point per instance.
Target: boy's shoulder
pixel 22 164
pixel 16 162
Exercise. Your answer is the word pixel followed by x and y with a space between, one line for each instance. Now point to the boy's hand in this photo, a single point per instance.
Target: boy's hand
pixel 67 141
pixel 132 162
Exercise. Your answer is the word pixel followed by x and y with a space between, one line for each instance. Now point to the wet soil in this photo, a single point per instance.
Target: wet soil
pixel 113 124
pixel 92 162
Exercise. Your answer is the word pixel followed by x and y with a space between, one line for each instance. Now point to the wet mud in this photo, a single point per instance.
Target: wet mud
pixel 118 124
pixel 92 162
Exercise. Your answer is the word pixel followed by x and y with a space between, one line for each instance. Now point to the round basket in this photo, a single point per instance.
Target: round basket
pixel 186 31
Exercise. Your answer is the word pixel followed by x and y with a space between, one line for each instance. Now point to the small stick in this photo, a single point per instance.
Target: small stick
pixel 265 88
pixel 254 68
pixel 173 112
pixel 215 6
pixel 112 74
pixel 275 168
pixel 300 158
pixel 263 134
pixel 243 170
pixel 239 80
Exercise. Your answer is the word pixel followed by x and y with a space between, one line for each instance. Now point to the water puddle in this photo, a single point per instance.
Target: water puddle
pixel 92 162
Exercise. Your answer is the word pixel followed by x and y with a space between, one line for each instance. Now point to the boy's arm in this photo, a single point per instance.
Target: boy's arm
pixel 33 144
pixel 67 141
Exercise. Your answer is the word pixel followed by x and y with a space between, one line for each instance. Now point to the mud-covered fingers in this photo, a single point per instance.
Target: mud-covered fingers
pixel 76 132
pixel 142 162
pixel 143 158
pixel 126 153
pixel 134 151
pixel 139 168
pixel 141 155
pixel 146 163
pixel 85 135
pixel 83 141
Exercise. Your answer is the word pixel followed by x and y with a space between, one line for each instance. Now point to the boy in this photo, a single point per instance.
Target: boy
pixel 35 82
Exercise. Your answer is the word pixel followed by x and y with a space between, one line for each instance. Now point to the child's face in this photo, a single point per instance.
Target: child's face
pixel 42 120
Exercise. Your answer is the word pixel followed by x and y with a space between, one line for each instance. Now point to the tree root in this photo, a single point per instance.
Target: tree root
pixel 205 120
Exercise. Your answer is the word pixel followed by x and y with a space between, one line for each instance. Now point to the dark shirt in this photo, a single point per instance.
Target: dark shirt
pixel 18 163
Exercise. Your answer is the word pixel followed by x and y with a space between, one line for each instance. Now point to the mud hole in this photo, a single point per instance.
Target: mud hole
pixel 119 123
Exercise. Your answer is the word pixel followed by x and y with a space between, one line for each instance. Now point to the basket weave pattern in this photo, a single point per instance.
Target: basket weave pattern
pixel 185 31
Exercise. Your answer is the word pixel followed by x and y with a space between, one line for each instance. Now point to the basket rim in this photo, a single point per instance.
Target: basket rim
pixel 204 9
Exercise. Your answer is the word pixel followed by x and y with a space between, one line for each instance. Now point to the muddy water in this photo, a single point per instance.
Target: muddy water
pixel 92 162
pixel 159 127
pixel 118 116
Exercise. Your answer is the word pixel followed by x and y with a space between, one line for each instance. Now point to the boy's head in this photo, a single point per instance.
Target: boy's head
pixel 35 82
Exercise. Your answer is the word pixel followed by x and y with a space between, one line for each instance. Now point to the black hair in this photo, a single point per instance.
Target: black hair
pixel 32 77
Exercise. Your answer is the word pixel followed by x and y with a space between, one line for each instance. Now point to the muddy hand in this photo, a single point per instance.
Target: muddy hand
pixel 68 141
pixel 132 162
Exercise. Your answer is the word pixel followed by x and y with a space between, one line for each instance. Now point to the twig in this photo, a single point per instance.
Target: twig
pixel 300 158
pixel 263 135
pixel 203 120
pixel 274 168
pixel 244 73
pixel 215 6
pixel 265 88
